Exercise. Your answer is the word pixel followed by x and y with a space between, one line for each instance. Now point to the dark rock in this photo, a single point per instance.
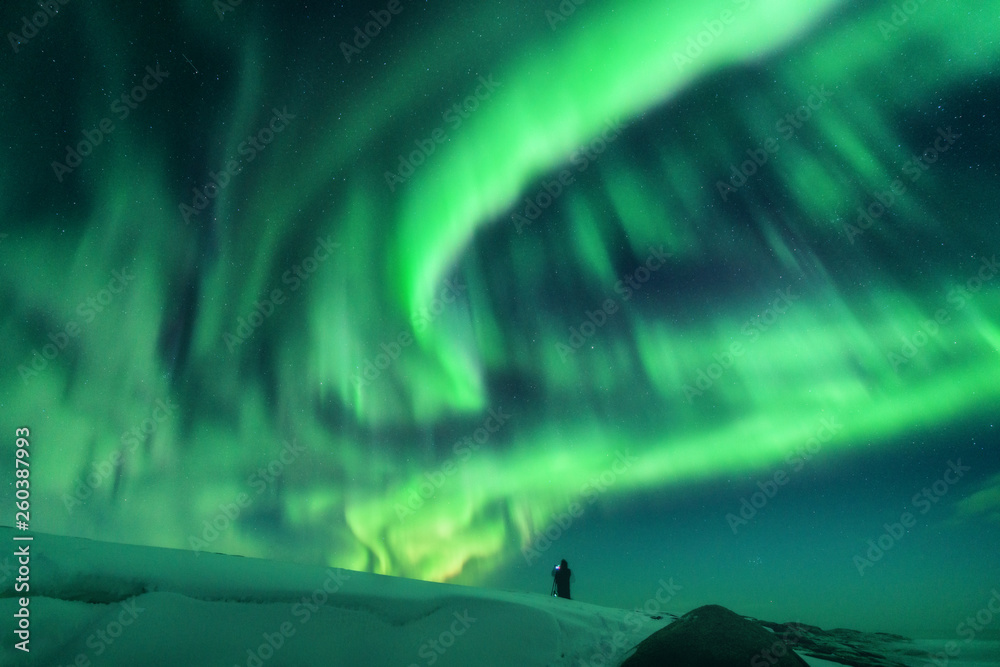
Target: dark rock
pixel 713 636
pixel 841 645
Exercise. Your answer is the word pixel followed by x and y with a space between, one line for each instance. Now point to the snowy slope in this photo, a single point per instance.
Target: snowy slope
pixel 99 603
pixel 95 603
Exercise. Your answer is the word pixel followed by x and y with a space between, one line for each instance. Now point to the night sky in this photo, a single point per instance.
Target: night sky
pixel 707 292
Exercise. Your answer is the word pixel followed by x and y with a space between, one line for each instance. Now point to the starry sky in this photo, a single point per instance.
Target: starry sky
pixel 692 292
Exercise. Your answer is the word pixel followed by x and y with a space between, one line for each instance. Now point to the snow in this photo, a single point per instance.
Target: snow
pixel 95 603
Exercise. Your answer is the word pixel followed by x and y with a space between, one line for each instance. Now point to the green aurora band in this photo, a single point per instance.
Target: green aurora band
pixel 632 388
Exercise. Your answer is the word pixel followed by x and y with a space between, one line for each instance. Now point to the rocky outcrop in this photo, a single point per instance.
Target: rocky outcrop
pixel 713 636
pixel 847 647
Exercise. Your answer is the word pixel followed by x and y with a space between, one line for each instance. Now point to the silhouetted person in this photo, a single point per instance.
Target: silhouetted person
pixel 561 574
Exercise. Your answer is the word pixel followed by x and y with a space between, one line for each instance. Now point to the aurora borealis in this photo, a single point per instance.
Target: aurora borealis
pixel 404 304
